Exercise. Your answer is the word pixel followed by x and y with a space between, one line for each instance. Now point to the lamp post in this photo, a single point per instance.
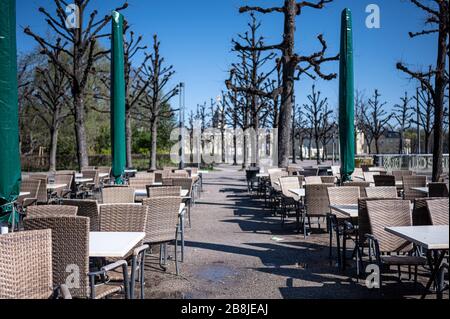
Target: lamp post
pixel 182 111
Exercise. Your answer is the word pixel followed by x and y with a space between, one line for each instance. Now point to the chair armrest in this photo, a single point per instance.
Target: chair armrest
pixel 62 292
pixel 104 272
pixel 141 249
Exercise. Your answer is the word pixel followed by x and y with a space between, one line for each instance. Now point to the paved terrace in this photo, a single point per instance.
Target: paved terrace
pixel 231 253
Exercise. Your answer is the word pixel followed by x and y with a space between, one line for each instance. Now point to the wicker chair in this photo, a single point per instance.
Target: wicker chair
pixel 438 211
pixel 382 192
pixel 313 180
pixel 86 208
pixel 63 180
pixel 316 204
pixel 309 172
pixel 51 211
pixel 391 250
pixel 118 195
pixel 105 170
pixel 186 184
pixel 344 195
pixel 384 180
pixel 42 194
pixel 92 187
pixel 141 183
pixel 162 225
pixel 70 246
pixel 29 186
pixel 410 182
pixel 369 176
pixel 123 218
pixel 362 187
pixel 171 191
pixel 274 189
pixel 400 174
pixel 159 176
pixel 420 214
pixel 438 190
pixel 328 179
pixel 289 201
pixel 26 266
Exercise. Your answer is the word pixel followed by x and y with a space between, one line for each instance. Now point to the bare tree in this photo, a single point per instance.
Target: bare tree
pixel 158 95
pixel 361 124
pixel 293 65
pixel 403 116
pixel 83 53
pixel 377 119
pixel 437 12
pixel 302 128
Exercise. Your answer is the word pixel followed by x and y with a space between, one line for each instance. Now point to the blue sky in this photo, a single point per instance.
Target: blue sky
pixel 196 38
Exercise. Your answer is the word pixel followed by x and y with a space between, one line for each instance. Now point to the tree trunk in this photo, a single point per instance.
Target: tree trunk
pixel 129 139
pixel 301 149
pixel 316 140
pixel 53 148
pixel 439 96
pixel 154 144
pixel 80 130
pixel 401 145
pixel 377 146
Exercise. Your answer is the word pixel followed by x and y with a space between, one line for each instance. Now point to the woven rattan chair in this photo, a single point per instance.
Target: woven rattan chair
pixel 390 250
pixel 91 188
pixel 420 214
pixel 369 176
pixel 438 189
pixel 26 265
pixel 328 179
pixel 186 184
pixel 438 211
pixel 344 195
pixel 70 247
pixel 313 180
pixel 162 225
pixel 274 188
pixel 410 182
pixel 118 195
pixel 362 187
pixel 42 194
pixel 171 191
pixel 63 180
pixel 29 186
pixel 86 208
pixel 400 174
pixel 289 201
pixel 384 180
pixel 316 204
pixel 51 211
pixel 387 192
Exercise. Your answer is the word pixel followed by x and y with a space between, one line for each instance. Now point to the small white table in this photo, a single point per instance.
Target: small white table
pixel 262 175
pixel 299 192
pixel 23 194
pixel 347 210
pixel 83 180
pixel 52 187
pixel 113 245
pixel 103 175
pixel 434 239
pixel 423 190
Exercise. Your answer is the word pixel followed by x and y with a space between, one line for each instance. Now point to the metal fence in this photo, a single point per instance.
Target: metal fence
pixel 413 162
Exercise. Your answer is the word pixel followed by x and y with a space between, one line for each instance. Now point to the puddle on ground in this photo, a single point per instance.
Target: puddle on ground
pixel 215 273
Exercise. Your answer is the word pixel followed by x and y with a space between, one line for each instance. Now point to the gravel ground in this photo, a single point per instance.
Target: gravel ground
pixel 231 254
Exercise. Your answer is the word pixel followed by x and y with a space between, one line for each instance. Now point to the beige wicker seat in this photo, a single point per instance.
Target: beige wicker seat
pixel 118 195
pixel 51 211
pixel 439 211
pixel 86 208
pixel 26 265
pixel 162 224
pixel 389 249
pixel 362 187
pixel 410 182
pixel 29 186
pixel 171 191
pixel 70 246
pixel 382 192
pixel 313 180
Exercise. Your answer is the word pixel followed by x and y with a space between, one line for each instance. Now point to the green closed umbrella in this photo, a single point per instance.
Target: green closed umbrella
pixel 10 170
pixel 117 99
pixel 347 99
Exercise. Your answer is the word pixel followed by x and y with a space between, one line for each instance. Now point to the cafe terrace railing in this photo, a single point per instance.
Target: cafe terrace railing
pixel 414 162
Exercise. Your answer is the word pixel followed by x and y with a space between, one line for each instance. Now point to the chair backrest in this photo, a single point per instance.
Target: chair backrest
pixel 384 180
pixel 336 171
pixel 86 208
pixel 344 195
pixel 51 211
pixel 389 213
pixel 438 211
pixel 88 168
pixel 118 195
pixel 141 183
pixel 438 189
pixel 184 183
pixel 382 192
pixel 399 174
pixel 26 265
pixel 287 183
pixel 308 172
pixel 274 170
pixel 63 180
pixel 358 172
pixel 42 194
pixel 313 180
pixel 162 220
pixel 30 186
pixel 362 187
pixel 369 176
pixel 92 174
pixel 104 170
pixel 410 182
pixel 70 248
pixel 276 175
pixel 123 218
pixel 167 181
pixel 145 176
pixel 294 170
pixel 159 177
pixel 328 179
pixel 316 199
pixel 420 214
pixel 181 174
pixel 170 191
